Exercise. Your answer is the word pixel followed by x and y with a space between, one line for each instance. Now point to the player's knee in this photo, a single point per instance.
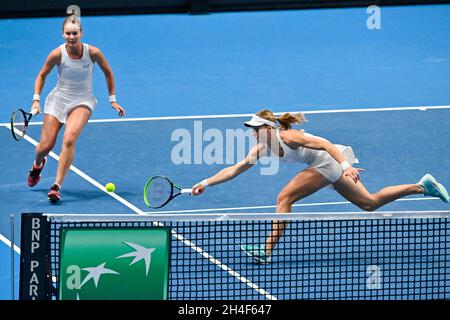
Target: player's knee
pixel 69 140
pixel 46 146
pixel 368 205
pixel 284 198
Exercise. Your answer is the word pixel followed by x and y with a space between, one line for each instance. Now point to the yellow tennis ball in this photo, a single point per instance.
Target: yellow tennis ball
pixel 110 187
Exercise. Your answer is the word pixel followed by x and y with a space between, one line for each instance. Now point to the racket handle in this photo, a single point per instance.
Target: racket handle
pixel 186 190
pixel 34 111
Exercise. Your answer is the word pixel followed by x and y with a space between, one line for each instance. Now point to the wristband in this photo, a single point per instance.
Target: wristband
pixel 112 98
pixel 345 165
pixel 36 97
pixel 204 183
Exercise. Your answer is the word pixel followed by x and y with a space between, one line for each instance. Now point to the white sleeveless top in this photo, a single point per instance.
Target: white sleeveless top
pixel 75 76
pixel 310 156
pixel 301 154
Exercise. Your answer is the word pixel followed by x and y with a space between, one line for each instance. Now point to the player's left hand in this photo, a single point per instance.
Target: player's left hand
pixel 353 173
pixel 119 109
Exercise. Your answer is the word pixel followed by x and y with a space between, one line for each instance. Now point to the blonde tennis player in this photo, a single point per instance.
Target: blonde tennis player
pixel 328 163
pixel 71 101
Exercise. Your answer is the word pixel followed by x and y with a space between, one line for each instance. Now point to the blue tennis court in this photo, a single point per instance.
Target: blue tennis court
pixel 384 92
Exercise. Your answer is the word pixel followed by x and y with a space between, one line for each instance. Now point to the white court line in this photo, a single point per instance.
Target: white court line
pixel 8 243
pixel 177 236
pixel 243 115
pixel 274 206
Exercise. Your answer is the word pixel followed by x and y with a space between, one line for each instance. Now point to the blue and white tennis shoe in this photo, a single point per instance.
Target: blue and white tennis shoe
pixel 257 252
pixel 433 188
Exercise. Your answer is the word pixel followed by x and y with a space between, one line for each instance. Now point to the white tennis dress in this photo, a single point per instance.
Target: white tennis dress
pixel 320 160
pixel 74 85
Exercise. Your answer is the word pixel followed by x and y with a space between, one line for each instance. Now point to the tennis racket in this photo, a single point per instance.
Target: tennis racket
pixel 19 122
pixel 159 191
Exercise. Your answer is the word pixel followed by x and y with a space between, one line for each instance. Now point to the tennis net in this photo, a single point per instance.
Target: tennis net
pixel 398 255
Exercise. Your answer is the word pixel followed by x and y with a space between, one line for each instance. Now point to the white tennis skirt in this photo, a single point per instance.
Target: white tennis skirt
pixel 329 167
pixel 60 107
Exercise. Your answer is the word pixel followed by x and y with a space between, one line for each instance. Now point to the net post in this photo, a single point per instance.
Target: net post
pixel 35 277
pixel 11 221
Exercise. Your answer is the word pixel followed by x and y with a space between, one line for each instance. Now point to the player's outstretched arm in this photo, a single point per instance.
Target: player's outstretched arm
pixel 232 171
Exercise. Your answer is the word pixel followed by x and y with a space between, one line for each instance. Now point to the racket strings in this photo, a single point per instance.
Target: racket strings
pixel 159 192
pixel 19 124
pixel 19 121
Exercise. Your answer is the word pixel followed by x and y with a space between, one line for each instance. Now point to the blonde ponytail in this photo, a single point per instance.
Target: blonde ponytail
pixel 73 16
pixel 287 119
pixel 74 19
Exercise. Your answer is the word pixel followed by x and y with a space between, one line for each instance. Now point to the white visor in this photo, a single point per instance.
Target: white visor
pixel 257 121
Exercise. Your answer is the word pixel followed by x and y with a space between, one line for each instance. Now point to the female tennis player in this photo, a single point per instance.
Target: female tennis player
pixel 328 163
pixel 71 101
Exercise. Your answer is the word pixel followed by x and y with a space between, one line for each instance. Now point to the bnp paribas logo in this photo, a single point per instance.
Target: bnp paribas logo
pixel 114 264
